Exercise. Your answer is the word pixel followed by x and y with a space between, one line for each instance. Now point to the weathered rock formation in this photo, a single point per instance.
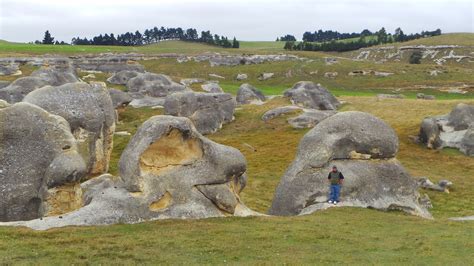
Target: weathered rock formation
pixel 38 152
pixel 249 94
pixel 154 85
pixel 212 87
pixel 310 95
pixel 119 98
pixel 208 111
pixel 455 130
pixel 90 114
pixel 122 77
pixel 168 170
pixel 363 147
pixel 309 118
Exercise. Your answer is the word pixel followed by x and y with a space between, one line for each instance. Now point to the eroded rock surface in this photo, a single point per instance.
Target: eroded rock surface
pixel 249 94
pixel 310 95
pixel 91 116
pixel 38 152
pixel 154 85
pixel 208 111
pixel 309 118
pixel 363 147
pixel 168 170
pixel 455 130
pixel 122 77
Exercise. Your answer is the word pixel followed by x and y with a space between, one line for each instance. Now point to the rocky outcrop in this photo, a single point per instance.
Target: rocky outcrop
pixel 282 110
pixel 119 98
pixel 212 87
pixel 208 111
pixel 91 116
pixel 363 147
pixel 310 95
pixel 455 130
pixel 249 94
pixel 309 118
pixel 122 77
pixel 168 170
pixel 38 152
pixel 53 76
pixel 110 63
pixel 154 85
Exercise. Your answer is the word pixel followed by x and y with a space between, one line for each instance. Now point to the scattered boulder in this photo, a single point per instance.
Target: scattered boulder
pixel 423 96
pixel 216 76
pixel 330 75
pixel 147 101
pixel 208 111
pixel 168 170
pixel 119 98
pixel 270 114
pixel 189 82
pixel 10 69
pixel 382 96
pixel 442 186
pixel 249 94
pixel 91 116
pixel 16 91
pixel 212 87
pixel 364 148
pixel 154 85
pixel 455 130
pixel 38 152
pixel 122 77
pixel 309 118
pixel 310 95
pixel 241 77
pixel 265 76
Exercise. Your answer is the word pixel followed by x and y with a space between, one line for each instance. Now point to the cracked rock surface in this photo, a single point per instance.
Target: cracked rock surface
pixel 363 147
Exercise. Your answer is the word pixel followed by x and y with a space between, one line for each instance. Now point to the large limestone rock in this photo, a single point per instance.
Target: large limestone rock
pixel 37 152
pixel 168 170
pixel 363 147
pixel 122 77
pixel 208 111
pixel 90 113
pixel 249 94
pixel 310 95
pixel 455 130
pixel 154 85
pixel 16 91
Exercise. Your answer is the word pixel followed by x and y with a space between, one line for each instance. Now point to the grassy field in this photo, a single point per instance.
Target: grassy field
pixel 335 236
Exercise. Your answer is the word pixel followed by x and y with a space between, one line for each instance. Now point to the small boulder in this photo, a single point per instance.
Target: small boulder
pixel 283 110
pixel 216 76
pixel 330 75
pixel 189 82
pixel 382 96
pixel 265 76
pixel 122 77
pixel 208 111
pixel 249 94
pixel 119 98
pixel 310 95
pixel 309 118
pixel 212 87
pixel 423 96
pixel 154 85
pixel 241 77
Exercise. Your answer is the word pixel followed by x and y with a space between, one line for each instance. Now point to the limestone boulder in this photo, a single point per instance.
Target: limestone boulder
pixel 54 76
pixel 154 85
pixel 119 98
pixel 168 170
pixel 208 111
pixel 266 76
pixel 122 77
pixel 241 77
pixel 454 130
pixel 363 147
pixel 212 87
pixel 249 94
pixel 38 152
pixel 309 118
pixel 310 95
pixel 90 113
pixel 7 69
pixel 279 111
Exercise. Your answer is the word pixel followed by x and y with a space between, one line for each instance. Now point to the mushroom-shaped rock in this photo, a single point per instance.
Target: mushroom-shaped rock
pixel 168 170
pixel 364 148
pixel 37 152
pixel 154 85
pixel 122 77
pixel 208 111
pixel 309 118
pixel 91 115
pixel 16 91
pixel 454 130
pixel 249 94
pixel 310 95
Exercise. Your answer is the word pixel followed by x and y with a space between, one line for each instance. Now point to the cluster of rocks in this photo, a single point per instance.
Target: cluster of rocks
pixel 168 170
pixel 365 148
pixel 454 130
pixel 217 59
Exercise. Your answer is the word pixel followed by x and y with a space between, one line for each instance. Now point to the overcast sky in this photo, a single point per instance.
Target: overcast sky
pixel 26 20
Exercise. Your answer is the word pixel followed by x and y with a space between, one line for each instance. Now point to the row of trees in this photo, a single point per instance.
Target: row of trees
pixel 366 39
pixel 149 36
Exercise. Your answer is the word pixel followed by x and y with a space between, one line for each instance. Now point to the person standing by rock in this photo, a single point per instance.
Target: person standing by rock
pixel 335 179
